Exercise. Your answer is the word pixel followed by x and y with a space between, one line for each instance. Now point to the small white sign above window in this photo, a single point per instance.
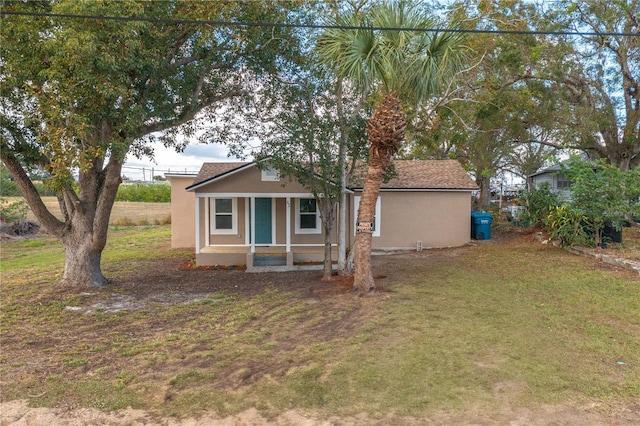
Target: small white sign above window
pixel 270 175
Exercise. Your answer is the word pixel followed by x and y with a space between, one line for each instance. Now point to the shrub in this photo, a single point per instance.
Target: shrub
pixel 165 220
pixel 147 193
pixel 605 194
pixel 124 221
pixel 568 225
pixel 10 211
pixel 540 203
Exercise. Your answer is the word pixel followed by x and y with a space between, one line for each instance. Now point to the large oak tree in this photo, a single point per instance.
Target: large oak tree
pixel 81 94
pixel 587 54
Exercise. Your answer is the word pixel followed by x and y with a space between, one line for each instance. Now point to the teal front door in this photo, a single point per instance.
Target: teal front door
pixel 263 221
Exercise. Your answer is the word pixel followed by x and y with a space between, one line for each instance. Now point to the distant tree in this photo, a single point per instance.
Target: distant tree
pixel 599 76
pixel 498 121
pixel 82 94
pixel 596 75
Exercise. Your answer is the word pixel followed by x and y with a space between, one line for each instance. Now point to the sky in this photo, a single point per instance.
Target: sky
pixel 167 160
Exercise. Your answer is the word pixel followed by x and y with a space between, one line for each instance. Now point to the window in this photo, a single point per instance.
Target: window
pixel 563 182
pixel 307 216
pixel 270 174
pixel 223 215
pixel 376 218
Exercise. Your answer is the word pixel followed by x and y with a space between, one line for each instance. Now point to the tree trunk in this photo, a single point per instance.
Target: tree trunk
pixel 385 132
pixel 327 270
pixel 86 217
pixel 484 182
pixel 327 216
pixel 343 268
pixel 82 263
pixel 363 277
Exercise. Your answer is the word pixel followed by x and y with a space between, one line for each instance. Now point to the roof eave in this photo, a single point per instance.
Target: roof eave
pixel 219 176
pixel 421 189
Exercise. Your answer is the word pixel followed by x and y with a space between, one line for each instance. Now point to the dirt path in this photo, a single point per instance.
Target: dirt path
pixel 18 413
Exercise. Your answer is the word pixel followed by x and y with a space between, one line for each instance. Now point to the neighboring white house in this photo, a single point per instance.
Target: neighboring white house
pixel 558 182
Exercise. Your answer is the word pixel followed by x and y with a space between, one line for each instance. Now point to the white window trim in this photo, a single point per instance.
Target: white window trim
pixel 234 217
pixel 270 175
pixel 356 206
pixel 317 229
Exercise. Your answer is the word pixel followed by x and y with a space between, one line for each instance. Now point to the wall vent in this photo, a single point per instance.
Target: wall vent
pixel 419 246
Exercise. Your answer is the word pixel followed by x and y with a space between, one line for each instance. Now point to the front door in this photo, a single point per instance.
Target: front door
pixel 263 221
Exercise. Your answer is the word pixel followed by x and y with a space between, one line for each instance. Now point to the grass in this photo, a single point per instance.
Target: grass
pixel 517 322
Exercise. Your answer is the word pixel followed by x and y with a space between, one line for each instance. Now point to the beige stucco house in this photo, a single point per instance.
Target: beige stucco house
pixel 236 213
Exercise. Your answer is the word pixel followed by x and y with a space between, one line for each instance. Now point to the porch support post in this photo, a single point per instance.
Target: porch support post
pixel 252 223
pixel 197 209
pixel 207 221
pixel 288 233
pixel 288 215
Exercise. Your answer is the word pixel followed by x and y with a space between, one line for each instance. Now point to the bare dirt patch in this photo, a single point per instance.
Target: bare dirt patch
pixel 18 413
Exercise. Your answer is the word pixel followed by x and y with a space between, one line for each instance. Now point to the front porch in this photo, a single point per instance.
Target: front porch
pixel 264 258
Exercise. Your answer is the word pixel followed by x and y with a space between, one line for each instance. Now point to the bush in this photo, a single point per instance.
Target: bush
pixel 13 211
pixel 568 225
pixel 147 193
pixel 605 194
pixel 9 188
pixel 541 202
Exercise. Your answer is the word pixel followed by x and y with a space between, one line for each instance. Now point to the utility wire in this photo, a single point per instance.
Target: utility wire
pixel 314 26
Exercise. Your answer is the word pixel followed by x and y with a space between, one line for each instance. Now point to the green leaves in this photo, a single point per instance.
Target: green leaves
pixel 603 193
pixel 412 64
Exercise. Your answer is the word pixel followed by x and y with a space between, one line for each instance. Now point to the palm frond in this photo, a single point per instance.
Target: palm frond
pixel 412 64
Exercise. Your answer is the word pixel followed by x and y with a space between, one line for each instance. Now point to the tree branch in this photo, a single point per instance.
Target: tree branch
pixel 44 216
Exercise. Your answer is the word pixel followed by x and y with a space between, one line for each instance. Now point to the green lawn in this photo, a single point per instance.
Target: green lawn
pixel 503 320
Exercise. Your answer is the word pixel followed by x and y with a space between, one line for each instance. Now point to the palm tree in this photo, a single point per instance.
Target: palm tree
pixel 397 68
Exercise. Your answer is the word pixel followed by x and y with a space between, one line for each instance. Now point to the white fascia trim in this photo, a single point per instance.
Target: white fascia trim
pixel 184 175
pixel 423 190
pixel 276 245
pixel 254 195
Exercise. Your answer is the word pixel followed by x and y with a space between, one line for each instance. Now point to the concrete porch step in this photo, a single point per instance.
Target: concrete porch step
pixel 270 259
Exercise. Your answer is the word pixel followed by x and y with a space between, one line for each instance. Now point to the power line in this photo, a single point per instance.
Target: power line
pixel 313 26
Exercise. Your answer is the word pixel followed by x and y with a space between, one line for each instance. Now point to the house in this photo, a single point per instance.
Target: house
pixel 558 183
pixel 236 213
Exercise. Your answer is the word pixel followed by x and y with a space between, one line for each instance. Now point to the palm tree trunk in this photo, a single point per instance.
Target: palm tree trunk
pixel 363 276
pixel 385 134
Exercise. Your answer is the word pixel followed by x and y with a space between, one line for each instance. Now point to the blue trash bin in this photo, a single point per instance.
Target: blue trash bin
pixel 481 225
